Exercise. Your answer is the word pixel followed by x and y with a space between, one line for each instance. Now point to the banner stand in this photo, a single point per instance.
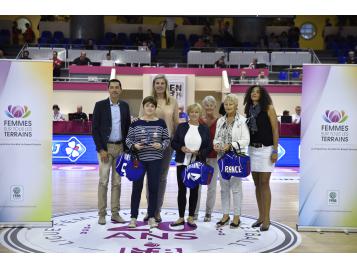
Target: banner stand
pixel 26 224
pixel 326 229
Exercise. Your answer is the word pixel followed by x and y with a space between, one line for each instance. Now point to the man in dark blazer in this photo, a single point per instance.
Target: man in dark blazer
pixel 111 120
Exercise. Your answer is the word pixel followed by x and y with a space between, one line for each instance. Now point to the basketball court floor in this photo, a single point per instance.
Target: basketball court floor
pixel 76 230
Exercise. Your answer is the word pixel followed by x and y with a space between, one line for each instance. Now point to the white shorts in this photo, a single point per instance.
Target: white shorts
pixel 260 159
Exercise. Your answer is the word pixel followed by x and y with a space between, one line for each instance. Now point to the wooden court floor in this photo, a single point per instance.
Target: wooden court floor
pixel 75 189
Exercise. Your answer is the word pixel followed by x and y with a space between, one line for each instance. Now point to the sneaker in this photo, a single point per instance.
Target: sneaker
pixel 117 218
pixel 191 222
pixel 153 223
pixel 102 220
pixel 132 223
pixel 207 218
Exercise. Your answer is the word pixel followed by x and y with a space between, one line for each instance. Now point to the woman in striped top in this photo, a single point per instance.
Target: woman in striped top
pixel 148 137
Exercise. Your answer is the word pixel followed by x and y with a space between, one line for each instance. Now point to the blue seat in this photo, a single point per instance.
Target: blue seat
pixel 193 39
pixel 122 38
pixel 109 35
pixel 58 35
pixel 283 76
pixel 341 59
pixel 295 75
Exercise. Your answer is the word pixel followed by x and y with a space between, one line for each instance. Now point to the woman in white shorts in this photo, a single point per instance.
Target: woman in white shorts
pixel 263 148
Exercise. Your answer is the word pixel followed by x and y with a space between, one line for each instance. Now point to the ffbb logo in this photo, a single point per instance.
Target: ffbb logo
pixel 332 197
pixel 17 193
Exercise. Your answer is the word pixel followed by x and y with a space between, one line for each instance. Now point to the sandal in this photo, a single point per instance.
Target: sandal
pixel 222 223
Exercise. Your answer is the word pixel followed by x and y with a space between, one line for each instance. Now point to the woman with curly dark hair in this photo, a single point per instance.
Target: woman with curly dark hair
pixel 263 148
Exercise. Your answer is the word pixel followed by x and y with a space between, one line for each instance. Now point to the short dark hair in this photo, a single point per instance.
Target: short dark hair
pixel 114 81
pixel 55 106
pixel 150 99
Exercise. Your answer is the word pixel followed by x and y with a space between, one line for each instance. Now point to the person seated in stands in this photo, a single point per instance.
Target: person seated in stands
pixel 79 115
pixel 207 33
pixel 82 59
pixel 199 43
pixel 262 79
pixel 220 62
pixel 2 54
pixel 90 45
pixel 351 58
pixel 243 79
pixel 286 117
pixel 57 116
pixel 57 64
pixel 29 35
pixel 108 60
pixel 15 33
pixel 296 118
pixel 253 64
pixel 25 55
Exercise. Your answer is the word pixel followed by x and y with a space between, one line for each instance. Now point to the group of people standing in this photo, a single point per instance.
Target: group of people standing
pixel 205 137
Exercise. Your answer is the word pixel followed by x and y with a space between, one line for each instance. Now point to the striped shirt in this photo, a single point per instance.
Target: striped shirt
pixel 148 132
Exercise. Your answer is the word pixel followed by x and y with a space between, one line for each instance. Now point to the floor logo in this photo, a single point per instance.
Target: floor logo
pixel 79 232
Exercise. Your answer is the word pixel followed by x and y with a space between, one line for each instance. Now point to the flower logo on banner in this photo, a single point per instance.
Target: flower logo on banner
pixel 335 116
pixel 17 111
pixel 73 149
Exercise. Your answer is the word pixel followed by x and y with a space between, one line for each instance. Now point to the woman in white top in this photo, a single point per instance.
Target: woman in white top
pixel 191 142
pixel 57 116
pixel 167 109
pixel 231 130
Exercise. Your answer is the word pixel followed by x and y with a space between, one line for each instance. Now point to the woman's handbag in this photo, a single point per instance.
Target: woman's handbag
pixel 233 163
pixel 128 165
pixel 197 173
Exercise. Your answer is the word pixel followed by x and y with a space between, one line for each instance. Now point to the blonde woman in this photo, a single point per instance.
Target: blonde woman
pixel 231 131
pixel 191 142
pixel 167 109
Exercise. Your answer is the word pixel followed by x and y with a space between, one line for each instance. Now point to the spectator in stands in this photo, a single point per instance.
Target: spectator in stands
pixel 29 35
pixel 108 60
pixel 328 23
pixel 207 33
pixel 273 42
pixel 57 116
pixel 15 33
pixel 293 36
pixel 2 54
pixel 243 79
pixel 90 45
pixel 226 33
pixel 262 79
pixel 253 64
pixel 167 109
pixel 296 118
pixel 283 40
pixel 220 62
pixel 111 120
pixel 351 58
pixel 25 55
pixel 82 59
pixel 79 115
pixel 57 65
pixel 263 147
pixel 169 26
pixel 199 43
